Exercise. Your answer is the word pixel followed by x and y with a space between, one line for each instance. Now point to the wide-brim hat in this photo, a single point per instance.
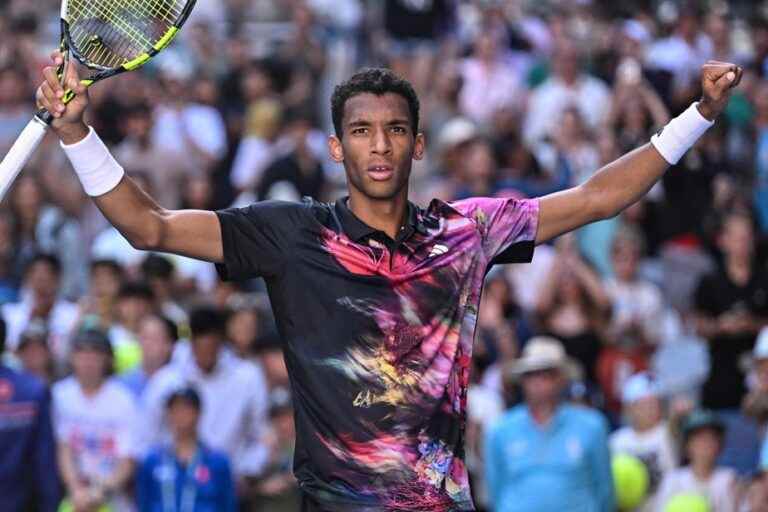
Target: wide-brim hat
pixel 543 353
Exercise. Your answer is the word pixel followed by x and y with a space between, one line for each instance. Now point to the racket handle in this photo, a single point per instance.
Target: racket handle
pixel 20 153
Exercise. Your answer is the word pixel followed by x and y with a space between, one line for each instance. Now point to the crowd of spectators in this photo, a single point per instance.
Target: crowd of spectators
pixel 637 336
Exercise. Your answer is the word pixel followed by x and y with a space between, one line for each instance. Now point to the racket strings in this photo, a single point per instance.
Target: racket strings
pixel 109 33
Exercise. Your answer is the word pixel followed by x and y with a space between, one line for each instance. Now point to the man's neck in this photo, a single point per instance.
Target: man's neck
pixel 542 413
pixel 387 215
pixel 739 270
pixel 185 447
pixel 702 470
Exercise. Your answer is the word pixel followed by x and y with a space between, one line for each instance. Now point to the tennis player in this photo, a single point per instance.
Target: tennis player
pixel 376 298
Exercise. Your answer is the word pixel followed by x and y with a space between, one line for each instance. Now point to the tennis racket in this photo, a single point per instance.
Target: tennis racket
pixel 108 37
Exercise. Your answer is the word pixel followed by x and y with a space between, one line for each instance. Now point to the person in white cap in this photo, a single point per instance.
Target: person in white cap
pixel 545 454
pixel 647 436
pixel 756 402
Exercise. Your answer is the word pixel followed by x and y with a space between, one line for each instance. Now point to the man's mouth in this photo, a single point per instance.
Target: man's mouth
pixel 380 172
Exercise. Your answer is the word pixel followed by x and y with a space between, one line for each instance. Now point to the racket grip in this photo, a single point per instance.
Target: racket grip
pixel 20 153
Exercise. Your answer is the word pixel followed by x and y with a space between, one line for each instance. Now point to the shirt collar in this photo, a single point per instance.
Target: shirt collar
pixel 356 229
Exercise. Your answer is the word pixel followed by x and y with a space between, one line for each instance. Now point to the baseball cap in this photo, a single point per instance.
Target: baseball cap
pixel 639 386
pixel 93 339
pixel 35 331
pixel 702 418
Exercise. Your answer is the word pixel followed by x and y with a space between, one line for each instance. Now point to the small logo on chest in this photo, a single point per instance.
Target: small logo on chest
pixel 438 250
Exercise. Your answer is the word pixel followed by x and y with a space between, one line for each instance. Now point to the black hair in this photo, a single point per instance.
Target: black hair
pixel 187 394
pixel 155 266
pixel 378 81
pixel 111 264
pixel 171 329
pixel 207 320
pixel 48 259
pixel 136 290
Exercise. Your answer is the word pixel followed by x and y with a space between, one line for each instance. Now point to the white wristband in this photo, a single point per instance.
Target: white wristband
pixel 680 134
pixel 97 169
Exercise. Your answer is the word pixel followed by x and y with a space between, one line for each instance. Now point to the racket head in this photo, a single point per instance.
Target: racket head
pixel 113 36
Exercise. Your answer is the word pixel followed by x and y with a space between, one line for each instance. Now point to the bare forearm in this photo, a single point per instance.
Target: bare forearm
pixel 625 180
pixel 133 213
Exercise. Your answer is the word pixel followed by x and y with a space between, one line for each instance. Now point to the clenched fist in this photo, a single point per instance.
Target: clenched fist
pixel 717 80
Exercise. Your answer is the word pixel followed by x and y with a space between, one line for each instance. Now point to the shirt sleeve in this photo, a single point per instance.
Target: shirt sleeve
pixel 507 226
pixel 44 458
pixel 257 239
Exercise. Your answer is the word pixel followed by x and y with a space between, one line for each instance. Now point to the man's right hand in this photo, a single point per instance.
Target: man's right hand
pixel 68 119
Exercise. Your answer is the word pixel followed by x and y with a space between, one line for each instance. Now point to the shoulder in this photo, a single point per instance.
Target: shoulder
pixel 118 394
pixel 25 386
pixel 514 417
pixel 279 213
pixel 217 460
pixel 65 388
pixel 589 418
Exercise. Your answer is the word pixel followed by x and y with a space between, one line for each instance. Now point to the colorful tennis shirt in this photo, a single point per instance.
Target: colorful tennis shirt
pixel 378 339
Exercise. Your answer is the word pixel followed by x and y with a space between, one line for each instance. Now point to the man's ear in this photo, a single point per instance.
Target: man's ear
pixel 335 149
pixel 419 146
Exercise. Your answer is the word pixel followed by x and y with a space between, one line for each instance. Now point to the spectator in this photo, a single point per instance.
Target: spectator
pixel 703 434
pixel 732 305
pixel 27 481
pixel 299 173
pixel 34 353
pixel 573 307
pixel 97 308
pixel 159 273
pixel 648 435
pixel 95 420
pixel 567 87
pixel 755 403
pixel 233 391
pixel 544 454
pixel 41 300
pixel 277 489
pixel 157 334
pixel 185 475
pixel 634 328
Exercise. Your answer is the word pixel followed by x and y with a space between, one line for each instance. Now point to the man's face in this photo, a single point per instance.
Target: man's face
pixel 206 351
pixel 542 386
pixel 89 365
pixel 182 417
pixel 156 346
pixel 378 145
pixel 43 280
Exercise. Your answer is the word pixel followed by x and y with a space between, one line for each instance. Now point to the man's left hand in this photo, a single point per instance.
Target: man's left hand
pixel 717 80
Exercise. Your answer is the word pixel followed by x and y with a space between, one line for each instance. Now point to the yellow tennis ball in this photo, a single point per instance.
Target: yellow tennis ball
pixel 127 357
pixel 630 480
pixel 688 503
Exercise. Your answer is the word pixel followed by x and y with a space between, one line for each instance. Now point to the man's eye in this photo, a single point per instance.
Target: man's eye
pixel 398 129
pixel 359 131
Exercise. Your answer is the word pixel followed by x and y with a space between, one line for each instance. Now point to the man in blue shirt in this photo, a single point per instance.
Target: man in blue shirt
pixel 28 476
pixel 545 455
pixel 185 477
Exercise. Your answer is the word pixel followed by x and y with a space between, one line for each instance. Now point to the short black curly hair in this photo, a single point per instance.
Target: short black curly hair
pixel 378 81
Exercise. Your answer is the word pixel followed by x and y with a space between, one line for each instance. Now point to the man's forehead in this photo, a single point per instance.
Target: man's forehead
pixel 373 107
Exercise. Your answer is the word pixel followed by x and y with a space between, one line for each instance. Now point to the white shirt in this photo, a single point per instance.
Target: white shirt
pixel 548 101
pixel 61 322
pixel 234 408
pixel 720 489
pixel 654 447
pixel 487 90
pixel 100 430
pixel 636 301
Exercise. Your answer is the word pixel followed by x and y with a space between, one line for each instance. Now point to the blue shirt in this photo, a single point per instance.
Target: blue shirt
pixel 211 477
pixel 564 465
pixel 135 380
pixel 27 448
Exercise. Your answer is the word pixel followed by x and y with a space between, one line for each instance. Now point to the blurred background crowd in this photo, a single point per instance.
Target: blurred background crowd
pixel 653 318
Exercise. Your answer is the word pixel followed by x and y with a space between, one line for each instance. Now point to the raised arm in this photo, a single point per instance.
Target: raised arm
pixel 624 181
pixel 135 214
